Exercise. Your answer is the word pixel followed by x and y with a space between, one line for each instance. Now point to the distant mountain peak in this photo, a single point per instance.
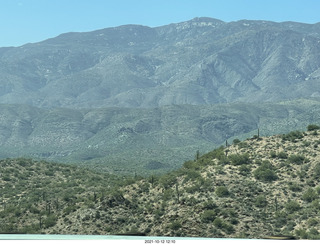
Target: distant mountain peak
pixel 199 22
pixel 206 19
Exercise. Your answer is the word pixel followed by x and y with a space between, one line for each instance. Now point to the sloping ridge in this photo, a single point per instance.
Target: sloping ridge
pixel 125 140
pixel 262 188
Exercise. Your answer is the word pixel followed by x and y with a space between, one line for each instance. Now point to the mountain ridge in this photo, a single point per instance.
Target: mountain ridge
pixel 200 61
pixel 116 139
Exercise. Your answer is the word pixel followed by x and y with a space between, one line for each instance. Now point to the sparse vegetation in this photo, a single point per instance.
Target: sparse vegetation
pixel 297 159
pixel 239 159
pixel 292 136
pixel 255 191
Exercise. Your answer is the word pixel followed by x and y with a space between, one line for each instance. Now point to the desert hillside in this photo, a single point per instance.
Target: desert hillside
pixel 259 187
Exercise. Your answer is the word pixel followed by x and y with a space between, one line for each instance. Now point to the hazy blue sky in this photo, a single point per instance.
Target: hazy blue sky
pixel 23 21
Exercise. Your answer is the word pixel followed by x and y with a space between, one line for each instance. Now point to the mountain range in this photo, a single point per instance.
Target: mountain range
pixel 148 140
pixel 201 61
pixel 152 97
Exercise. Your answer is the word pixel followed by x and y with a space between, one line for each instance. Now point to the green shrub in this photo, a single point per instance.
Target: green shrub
pixel 6 178
pixel 221 224
pixel 310 195
pixel 208 216
pixel 292 206
pixel 175 225
pixel 228 228
pixel 239 159
pixel 316 170
pixel 222 191
pixel 244 170
pixel 281 218
pixel 297 159
pixel 220 170
pixel 34 210
pixel 273 154
pixel 192 175
pixel 209 205
pixel 306 143
pixel 50 221
pixel 294 187
pixel 168 180
pixel 236 141
pixel 301 233
pixel 168 195
pixel 191 165
pixel 49 173
pixel 192 189
pixel 206 159
pixel 282 155
pixel 316 204
pixel 243 144
pixel 261 201
pixel 265 172
pixel 70 209
pixel 313 234
pixel 292 136
pixel 218 223
pixel 312 222
pixel 158 213
pixel 313 127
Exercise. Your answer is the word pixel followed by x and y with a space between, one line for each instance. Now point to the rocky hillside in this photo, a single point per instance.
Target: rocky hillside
pixel 37 194
pixel 201 61
pixel 259 187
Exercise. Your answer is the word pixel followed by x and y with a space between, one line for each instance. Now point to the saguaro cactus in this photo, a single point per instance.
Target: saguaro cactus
pixel 178 193
pixel 40 221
